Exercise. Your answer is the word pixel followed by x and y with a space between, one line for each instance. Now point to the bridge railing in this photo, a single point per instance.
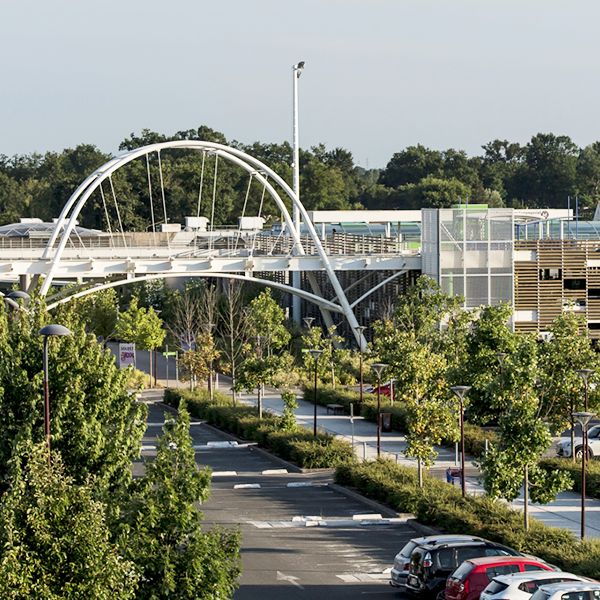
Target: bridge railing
pixel 226 243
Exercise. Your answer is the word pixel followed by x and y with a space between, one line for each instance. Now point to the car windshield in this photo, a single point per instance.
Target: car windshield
pixel 540 595
pixel 495 587
pixel 594 432
pixel 407 550
pixel 463 571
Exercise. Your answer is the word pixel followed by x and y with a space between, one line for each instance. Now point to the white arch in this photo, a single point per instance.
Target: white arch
pixel 76 202
pixel 332 306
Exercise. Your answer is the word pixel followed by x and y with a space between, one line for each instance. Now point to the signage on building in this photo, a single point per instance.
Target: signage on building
pixel 126 355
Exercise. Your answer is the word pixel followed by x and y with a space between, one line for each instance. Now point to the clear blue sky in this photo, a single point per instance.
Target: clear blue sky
pixel 380 75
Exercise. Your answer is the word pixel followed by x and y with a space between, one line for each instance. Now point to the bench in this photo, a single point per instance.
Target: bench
pixel 337 409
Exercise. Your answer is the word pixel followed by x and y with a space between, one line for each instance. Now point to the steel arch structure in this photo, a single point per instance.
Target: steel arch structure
pixel 68 217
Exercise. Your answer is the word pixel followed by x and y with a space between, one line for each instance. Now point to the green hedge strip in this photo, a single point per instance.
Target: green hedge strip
pixel 299 446
pixel 441 505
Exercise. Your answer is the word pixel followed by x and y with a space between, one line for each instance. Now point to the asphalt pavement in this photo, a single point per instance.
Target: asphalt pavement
pixel 302 536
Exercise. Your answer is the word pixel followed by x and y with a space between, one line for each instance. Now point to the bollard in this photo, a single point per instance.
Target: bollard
pixel 486 445
pixel 364 450
pixel 455 454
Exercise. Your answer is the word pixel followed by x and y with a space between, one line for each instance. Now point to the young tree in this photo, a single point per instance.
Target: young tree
pixel 54 539
pixel 266 319
pixel 160 527
pixel 196 364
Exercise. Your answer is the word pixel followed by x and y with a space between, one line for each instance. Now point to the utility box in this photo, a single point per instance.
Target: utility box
pixel 250 223
pixel 196 223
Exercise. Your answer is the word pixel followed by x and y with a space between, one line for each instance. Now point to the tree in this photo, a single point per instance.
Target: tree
pixel 433 192
pixel 524 437
pixel 197 364
pixel 99 312
pixel 95 425
pixel 160 527
pixel 411 166
pixel 266 319
pixel 414 346
pixel 54 539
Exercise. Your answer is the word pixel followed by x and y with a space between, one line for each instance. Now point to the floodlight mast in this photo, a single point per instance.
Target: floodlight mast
pixel 296 72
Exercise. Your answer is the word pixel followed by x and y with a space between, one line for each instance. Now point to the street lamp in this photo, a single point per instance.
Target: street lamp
pixel 501 357
pixel 308 322
pixel 296 72
pixel 47 332
pixel 585 374
pixel 378 368
pixel 14 296
pixel 584 418
pixel 315 354
pixel 461 391
pixel 208 327
pixel 360 329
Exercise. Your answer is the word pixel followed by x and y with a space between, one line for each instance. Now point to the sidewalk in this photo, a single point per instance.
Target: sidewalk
pixel 565 512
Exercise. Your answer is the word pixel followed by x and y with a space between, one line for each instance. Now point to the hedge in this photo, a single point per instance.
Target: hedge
pixel 592 473
pixel 442 505
pixel 299 446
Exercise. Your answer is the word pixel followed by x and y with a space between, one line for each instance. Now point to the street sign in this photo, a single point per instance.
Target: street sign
pixel 169 353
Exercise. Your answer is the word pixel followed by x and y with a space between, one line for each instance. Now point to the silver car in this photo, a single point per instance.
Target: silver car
pixel 563 448
pixel 402 559
pixel 568 591
pixel 521 586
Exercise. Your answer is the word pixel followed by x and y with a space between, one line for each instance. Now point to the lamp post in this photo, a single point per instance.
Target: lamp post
pixel 296 72
pixel 378 368
pixel 47 332
pixel 461 391
pixel 315 354
pixel 584 418
pixel 14 296
pixel 360 329
pixel 208 327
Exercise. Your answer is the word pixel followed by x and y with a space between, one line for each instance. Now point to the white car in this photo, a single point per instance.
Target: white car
pixel 399 573
pixel 568 591
pixel 563 448
pixel 520 586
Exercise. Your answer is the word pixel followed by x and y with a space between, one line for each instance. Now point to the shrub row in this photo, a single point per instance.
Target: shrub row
pixel 592 473
pixel 441 505
pixel 298 446
pixel 327 394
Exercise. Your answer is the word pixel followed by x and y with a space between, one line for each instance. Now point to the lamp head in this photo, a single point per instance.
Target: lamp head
pixel 583 417
pixel 378 368
pixel 461 390
pixel 360 329
pixel 298 68
pixel 19 295
pixel 308 321
pixel 315 353
pixel 501 357
pixel 585 374
pixel 54 330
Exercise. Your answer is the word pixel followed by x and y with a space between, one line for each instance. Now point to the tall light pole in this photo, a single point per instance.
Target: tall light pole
pixel 584 418
pixel 378 368
pixel 315 354
pixel 360 329
pixel 296 72
pixel 461 391
pixel 47 332
pixel 501 357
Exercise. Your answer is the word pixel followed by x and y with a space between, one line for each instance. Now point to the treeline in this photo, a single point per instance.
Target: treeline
pixel 542 173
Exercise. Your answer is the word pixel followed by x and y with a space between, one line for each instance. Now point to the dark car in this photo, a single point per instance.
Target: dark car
pixel 432 564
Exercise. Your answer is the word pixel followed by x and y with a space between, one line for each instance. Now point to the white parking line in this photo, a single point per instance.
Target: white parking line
pixel 241 486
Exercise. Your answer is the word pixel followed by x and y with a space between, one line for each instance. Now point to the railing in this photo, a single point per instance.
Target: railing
pixel 230 243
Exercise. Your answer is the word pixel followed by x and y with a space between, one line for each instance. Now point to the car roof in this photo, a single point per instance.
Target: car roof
pixel 533 575
pixel 458 544
pixel 485 560
pixel 442 539
pixel 575 586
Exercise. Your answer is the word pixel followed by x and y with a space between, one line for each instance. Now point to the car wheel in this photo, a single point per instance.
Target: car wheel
pixel 441 595
pixel 579 452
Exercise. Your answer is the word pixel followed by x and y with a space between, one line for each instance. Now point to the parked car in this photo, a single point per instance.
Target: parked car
pixel 431 564
pixel 563 447
pixel 474 575
pixel 402 559
pixel 568 591
pixel 521 586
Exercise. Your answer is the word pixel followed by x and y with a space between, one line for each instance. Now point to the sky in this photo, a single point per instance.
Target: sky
pixel 380 75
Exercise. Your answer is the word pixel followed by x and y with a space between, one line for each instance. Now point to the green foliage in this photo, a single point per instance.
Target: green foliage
pixel 442 506
pixel 95 425
pixel 255 372
pixel 99 312
pixel 266 319
pixel 54 539
pixel 288 416
pixel 196 364
pixel 298 446
pixel 592 473
pixel 161 526
pixel 140 326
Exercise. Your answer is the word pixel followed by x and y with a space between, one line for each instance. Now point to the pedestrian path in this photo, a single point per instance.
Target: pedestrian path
pixel 565 512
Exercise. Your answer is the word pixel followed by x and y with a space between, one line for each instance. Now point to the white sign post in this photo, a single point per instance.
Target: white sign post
pixel 126 355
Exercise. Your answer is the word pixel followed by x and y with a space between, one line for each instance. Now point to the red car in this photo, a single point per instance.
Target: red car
pixel 384 390
pixel 473 575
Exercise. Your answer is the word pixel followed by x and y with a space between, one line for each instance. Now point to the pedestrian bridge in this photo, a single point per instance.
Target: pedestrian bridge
pixel 119 256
